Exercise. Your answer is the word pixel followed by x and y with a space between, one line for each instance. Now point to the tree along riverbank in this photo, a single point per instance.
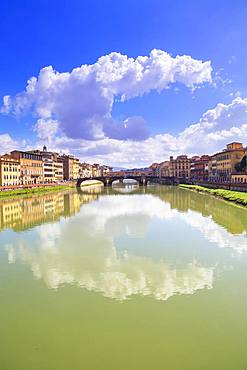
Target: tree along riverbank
pixel 229 195
pixel 33 191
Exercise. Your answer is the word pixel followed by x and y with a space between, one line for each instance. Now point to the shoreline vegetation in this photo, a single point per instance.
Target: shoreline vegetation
pixel 236 197
pixel 33 191
pixel 41 190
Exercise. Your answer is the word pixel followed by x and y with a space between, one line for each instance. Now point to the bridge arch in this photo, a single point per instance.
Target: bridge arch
pixel 107 181
pixel 80 181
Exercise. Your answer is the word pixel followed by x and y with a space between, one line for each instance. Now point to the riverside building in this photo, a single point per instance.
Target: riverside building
pixel 52 165
pixel 9 171
pixel 222 165
pixel 85 170
pixel 31 167
pixel 240 175
pixel 200 167
pixel 180 167
pixel 164 169
pixel 71 167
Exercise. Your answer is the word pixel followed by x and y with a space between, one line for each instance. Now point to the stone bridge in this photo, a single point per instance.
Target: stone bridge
pixel 142 180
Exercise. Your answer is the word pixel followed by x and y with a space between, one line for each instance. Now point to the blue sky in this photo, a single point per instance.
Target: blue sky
pixel 154 121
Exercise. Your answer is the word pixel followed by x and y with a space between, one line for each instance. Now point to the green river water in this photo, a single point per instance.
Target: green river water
pixel 123 279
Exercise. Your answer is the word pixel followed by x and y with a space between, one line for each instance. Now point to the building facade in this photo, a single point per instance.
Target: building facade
pixel 71 167
pixel 105 170
pixel 200 168
pixel 49 170
pixel 96 172
pixel 85 170
pixel 222 165
pixel 52 165
pixel 180 167
pixel 240 175
pixel 31 167
pixel 58 164
pixel 9 171
pixel 76 168
pixel 164 169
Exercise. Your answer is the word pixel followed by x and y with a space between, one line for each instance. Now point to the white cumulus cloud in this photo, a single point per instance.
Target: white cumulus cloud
pixel 46 129
pixel 7 143
pixel 217 127
pixel 74 110
pixel 82 100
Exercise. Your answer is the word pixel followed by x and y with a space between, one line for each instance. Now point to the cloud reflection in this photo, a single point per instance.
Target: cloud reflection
pixel 84 250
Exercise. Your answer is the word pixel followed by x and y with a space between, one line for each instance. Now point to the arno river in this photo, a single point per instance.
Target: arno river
pixel 123 279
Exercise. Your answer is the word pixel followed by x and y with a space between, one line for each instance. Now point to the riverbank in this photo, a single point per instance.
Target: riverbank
pixel 229 195
pixel 33 191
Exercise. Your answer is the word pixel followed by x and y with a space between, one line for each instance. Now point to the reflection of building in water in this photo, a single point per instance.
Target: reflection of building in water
pixel 10 214
pixel 233 218
pixel 94 188
pixel 23 213
pixel 71 204
pixel 20 214
pixel 99 249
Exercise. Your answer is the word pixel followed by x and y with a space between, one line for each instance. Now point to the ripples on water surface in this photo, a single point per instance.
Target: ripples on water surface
pixel 128 278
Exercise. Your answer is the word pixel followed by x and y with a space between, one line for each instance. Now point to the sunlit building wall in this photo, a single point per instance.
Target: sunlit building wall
pixel 9 171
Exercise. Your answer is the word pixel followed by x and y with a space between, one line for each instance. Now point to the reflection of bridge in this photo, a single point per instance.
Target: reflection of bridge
pixel 142 179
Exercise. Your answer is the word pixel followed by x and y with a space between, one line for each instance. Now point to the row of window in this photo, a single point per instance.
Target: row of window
pixel 33 164
pixel 227 156
pixel 11 169
pixel 10 183
pixel 32 172
pixel 224 171
pixel 181 167
pixel 10 177
pixel 223 157
pixel 31 156
pixel 241 180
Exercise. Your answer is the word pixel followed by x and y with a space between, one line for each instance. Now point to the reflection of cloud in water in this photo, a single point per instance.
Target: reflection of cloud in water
pixel 93 188
pixel 81 250
pixel 125 188
pixel 117 277
pixel 215 233
pixel 142 208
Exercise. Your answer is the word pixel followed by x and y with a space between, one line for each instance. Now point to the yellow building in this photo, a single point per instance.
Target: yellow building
pixel 76 168
pixel 71 167
pixel 9 171
pixel 239 178
pixel 240 175
pixel 222 164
